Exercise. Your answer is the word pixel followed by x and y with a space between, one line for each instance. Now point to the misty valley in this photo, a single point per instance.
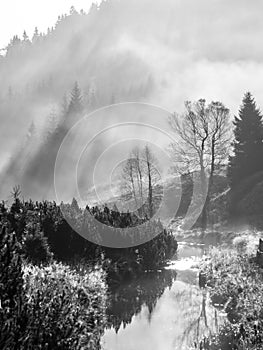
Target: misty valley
pixel 131 177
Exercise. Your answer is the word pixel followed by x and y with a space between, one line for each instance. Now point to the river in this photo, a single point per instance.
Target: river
pixel 164 310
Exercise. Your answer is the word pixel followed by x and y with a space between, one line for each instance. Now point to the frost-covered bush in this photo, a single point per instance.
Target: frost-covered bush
pixel 66 309
pixel 236 283
pixel 53 307
pixel 12 298
pixel 240 243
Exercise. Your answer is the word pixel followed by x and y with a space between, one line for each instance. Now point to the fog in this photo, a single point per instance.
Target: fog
pixel 157 52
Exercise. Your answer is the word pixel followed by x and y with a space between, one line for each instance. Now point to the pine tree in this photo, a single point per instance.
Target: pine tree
pixel 25 37
pixel 75 104
pixel 14 46
pixel 247 158
pixel 52 123
pixel 35 35
pixel 64 105
pixel 73 11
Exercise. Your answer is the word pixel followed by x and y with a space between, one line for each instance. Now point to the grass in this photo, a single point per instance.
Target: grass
pixel 236 286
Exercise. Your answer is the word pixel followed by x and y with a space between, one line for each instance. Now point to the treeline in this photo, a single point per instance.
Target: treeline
pixel 65 75
pixel 35 158
pixel 69 30
pixel 46 231
pixel 210 145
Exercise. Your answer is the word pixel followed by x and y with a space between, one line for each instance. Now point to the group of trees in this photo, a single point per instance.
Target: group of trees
pixel 70 51
pixel 204 134
pixel 46 231
pixel 139 178
pixel 47 304
pixel 208 145
pixel 17 43
pixel 35 158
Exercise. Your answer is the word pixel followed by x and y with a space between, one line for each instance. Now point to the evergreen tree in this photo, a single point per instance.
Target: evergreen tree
pixel 73 11
pixel 35 35
pixel 247 158
pixel 14 45
pixel 64 105
pixel 25 37
pixel 52 123
pixel 75 104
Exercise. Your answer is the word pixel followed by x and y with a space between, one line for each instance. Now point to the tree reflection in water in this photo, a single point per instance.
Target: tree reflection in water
pixel 198 317
pixel 128 298
pixel 158 317
pixel 171 318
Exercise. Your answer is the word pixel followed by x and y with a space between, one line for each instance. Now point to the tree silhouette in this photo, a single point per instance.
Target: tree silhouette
pixel 203 133
pixel 248 144
pixel 75 104
pixel 139 179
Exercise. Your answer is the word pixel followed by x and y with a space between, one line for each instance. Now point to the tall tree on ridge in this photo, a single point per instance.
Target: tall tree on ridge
pixel 247 158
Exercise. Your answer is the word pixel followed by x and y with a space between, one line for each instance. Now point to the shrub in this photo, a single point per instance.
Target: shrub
pixel 237 283
pixel 12 296
pixel 240 243
pixel 66 309
pixel 35 246
pixel 53 307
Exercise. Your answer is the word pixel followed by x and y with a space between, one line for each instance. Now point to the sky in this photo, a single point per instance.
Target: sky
pixel 19 15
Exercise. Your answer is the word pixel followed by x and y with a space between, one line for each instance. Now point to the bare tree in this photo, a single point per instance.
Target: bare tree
pixel 139 177
pixel 139 172
pixel 151 174
pixel 16 192
pixel 204 136
pixel 129 175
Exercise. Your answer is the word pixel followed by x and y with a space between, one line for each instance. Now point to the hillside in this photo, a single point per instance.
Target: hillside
pixel 121 51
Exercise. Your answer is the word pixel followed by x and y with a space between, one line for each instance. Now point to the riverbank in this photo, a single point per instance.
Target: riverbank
pixel 54 283
pixel 222 236
pixel 162 309
pixel 235 284
pixel 49 307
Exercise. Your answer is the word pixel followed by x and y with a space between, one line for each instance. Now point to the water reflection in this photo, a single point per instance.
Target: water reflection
pixel 164 310
pixel 129 298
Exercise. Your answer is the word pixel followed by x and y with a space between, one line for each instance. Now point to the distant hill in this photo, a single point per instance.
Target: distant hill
pixel 128 50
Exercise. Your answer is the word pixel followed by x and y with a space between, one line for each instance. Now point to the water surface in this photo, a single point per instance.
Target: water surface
pixel 164 310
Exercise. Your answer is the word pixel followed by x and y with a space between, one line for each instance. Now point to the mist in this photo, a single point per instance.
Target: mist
pixel 156 52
